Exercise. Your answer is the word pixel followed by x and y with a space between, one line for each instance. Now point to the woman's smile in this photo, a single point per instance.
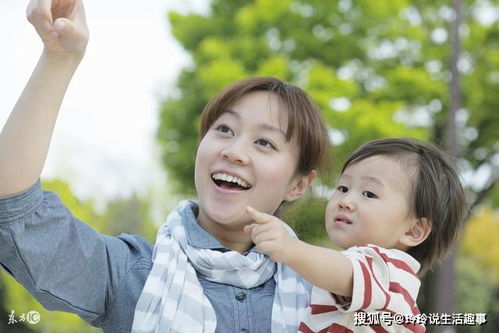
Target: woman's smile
pixel 227 181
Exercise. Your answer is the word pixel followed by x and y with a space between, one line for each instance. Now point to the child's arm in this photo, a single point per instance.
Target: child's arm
pixel 325 268
pixel 25 138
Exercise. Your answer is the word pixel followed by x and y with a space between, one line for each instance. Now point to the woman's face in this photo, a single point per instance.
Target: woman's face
pixel 245 160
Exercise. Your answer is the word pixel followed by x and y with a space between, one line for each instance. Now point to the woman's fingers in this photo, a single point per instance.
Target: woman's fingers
pixel 64 27
pixel 72 27
pixel 39 14
pixel 39 9
pixel 60 23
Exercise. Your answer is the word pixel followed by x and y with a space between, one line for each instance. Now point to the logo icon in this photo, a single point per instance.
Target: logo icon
pixel 33 317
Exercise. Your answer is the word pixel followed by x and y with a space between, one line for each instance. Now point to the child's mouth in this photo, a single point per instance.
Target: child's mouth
pixel 342 219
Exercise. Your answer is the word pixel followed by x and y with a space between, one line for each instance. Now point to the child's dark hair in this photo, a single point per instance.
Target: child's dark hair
pixel 436 191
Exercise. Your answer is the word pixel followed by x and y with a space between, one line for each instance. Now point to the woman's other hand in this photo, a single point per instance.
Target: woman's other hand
pixel 61 25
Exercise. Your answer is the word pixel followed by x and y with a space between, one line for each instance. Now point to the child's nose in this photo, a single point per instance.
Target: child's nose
pixel 347 203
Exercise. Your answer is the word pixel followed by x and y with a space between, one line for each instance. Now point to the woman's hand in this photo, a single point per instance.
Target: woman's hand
pixel 61 25
pixel 25 137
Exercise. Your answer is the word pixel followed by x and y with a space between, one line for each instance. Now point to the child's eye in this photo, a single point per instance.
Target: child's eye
pixel 265 143
pixel 342 189
pixel 223 129
pixel 369 194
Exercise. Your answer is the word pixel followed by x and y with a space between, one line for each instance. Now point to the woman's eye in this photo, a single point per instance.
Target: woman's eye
pixel 342 189
pixel 223 129
pixel 265 143
pixel 369 194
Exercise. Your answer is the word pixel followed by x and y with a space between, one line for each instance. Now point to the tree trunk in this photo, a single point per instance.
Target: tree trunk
pixel 440 294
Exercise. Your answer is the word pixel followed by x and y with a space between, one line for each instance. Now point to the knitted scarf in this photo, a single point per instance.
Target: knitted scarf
pixel 173 300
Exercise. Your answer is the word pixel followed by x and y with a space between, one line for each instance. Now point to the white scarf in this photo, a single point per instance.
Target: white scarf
pixel 173 300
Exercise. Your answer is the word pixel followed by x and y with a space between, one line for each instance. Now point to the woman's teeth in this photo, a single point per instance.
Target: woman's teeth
pixel 230 179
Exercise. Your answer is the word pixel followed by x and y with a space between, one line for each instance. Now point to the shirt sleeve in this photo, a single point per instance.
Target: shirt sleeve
pixel 65 264
pixel 380 277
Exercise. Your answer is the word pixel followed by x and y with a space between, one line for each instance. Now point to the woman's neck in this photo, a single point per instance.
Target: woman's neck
pixel 231 237
pixel 241 245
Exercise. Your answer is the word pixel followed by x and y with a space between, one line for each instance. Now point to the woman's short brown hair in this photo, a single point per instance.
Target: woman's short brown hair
pixel 437 192
pixel 304 119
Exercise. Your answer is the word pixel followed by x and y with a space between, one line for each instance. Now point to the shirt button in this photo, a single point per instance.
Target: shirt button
pixel 240 296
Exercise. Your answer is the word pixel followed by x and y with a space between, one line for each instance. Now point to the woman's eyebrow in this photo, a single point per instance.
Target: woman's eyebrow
pixel 271 128
pixel 232 113
pixel 263 126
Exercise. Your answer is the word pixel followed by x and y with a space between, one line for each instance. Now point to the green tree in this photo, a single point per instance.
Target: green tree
pixel 478 268
pixel 130 215
pixel 375 70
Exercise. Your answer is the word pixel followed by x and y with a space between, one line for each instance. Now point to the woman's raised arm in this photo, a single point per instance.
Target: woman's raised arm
pixel 25 137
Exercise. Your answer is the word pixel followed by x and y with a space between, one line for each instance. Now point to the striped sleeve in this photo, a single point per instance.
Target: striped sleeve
pixel 383 280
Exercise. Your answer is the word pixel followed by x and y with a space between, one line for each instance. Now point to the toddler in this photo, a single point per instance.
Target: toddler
pixel 397 209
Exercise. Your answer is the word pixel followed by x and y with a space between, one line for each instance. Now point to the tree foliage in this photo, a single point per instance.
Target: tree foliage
pixel 478 269
pixel 375 69
pixel 131 215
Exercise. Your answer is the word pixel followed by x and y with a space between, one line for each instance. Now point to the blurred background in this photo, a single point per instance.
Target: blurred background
pixel 123 152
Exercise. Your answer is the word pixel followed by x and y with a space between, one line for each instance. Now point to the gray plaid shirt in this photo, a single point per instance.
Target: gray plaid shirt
pixel 67 266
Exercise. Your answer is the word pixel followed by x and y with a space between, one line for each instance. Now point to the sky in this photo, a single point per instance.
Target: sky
pixel 103 144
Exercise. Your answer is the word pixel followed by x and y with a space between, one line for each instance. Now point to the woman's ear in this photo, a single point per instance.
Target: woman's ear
pixel 417 232
pixel 299 186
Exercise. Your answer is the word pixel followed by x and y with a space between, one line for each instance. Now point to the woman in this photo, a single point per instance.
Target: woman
pixel 262 142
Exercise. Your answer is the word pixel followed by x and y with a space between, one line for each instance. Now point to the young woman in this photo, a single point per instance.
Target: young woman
pixel 262 142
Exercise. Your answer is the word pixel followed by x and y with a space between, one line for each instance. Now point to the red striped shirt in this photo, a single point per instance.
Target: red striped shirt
pixel 384 280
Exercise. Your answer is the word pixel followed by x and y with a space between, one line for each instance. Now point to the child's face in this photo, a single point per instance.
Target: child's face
pixel 248 143
pixel 370 204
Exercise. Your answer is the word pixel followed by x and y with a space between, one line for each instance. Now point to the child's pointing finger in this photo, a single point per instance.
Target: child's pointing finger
pixel 249 228
pixel 259 217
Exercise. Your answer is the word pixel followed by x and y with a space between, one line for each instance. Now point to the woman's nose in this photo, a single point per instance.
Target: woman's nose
pixel 236 152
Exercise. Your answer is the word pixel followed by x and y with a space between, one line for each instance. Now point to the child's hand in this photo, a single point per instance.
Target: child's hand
pixel 269 235
pixel 61 25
